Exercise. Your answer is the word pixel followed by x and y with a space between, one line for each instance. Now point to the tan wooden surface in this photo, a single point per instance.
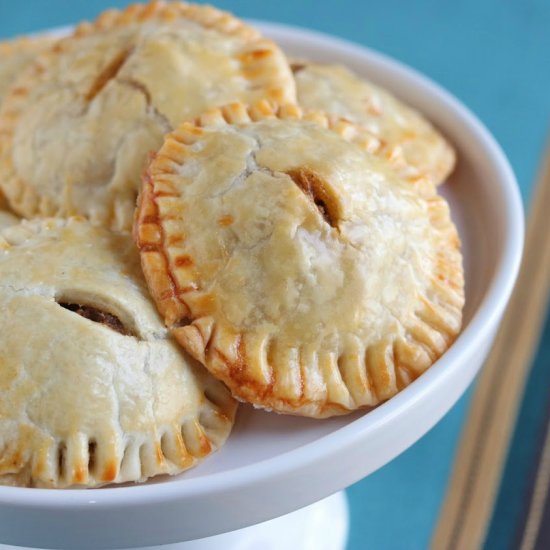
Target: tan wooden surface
pixel 485 440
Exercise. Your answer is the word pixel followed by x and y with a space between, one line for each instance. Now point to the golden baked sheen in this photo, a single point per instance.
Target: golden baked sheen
pixel 298 267
pixel 404 131
pixel 92 388
pixel 76 129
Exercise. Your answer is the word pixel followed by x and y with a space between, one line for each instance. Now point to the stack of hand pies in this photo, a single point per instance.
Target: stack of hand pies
pixel 289 248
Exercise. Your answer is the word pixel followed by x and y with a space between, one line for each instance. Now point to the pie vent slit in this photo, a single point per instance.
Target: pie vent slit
pixel 109 73
pixel 316 189
pixel 98 316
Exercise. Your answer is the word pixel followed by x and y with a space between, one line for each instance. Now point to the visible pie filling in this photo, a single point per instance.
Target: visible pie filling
pixel 297 67
pixel 109 73
pixel 317 190
pixel 97 316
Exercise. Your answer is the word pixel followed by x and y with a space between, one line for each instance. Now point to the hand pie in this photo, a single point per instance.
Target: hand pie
pixel 79 125
pixel 404 131
pixel 92 388
pixel 299 268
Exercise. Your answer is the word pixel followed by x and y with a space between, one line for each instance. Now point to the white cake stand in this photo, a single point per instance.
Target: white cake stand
pixel 274 465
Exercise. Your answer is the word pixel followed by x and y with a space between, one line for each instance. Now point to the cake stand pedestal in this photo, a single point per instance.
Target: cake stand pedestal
pixel 323 525
pixel 320 526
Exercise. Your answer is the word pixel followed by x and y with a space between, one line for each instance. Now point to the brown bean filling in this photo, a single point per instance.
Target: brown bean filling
pixel 297 67
pixel 97 316
pixel 109 73
pixel 319 192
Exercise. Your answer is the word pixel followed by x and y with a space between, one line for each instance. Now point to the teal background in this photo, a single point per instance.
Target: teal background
pixel 495 57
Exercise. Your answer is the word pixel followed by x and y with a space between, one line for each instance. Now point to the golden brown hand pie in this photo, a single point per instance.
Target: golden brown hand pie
pixel 92 388
pixel 404 131
pixel 295 265
pixel 78 126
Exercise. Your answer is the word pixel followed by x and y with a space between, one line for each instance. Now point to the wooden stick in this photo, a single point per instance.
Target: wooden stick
pixel 478 467
pixel 540 494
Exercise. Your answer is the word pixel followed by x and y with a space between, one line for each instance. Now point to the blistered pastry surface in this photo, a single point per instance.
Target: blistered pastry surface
pixel 92 388
pixel 76 129
pixel 299 268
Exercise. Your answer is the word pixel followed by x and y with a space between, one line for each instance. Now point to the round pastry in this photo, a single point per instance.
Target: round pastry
pixel 92 388
pixel 299 268
pixel 76 129
pixel 404 131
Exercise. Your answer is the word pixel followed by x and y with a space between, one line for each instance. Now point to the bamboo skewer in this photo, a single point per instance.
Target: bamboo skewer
pixel 540 494
pixel 485 440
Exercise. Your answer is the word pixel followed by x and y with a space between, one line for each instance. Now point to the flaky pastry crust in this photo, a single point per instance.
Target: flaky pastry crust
pixel 335 89
pixel 76 128
pixel 298 267
pixel 92 388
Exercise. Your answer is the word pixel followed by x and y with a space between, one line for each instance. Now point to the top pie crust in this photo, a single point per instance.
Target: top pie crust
pixel 85 403
pixel 76 128
pixel 299 268
pixel 404 131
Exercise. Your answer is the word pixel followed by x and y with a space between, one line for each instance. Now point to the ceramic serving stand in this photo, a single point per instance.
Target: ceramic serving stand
pixel 285 467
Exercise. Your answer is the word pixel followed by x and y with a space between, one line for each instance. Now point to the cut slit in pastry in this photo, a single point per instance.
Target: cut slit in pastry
pixel 92 388
pixel 295 265
pixel 129 77
pixel 405 133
